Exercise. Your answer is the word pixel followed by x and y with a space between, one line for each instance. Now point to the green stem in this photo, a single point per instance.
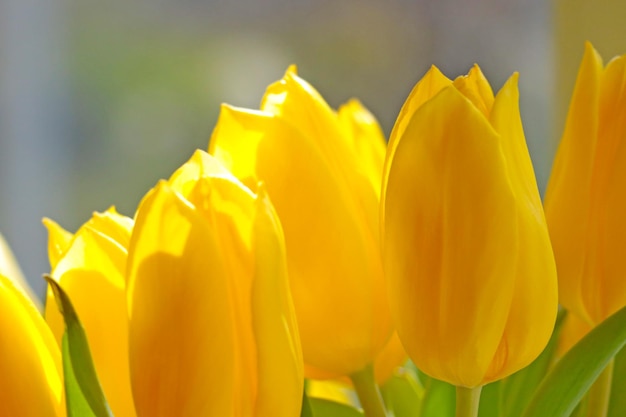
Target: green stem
pixel 467 400
pixel 368 392
pixel 599 394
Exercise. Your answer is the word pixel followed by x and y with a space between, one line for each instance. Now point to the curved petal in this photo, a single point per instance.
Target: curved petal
pixel 181 337
pixel 604 288
pixel 200 165
pixel 450 232
pixel 505 119
pixel 30 360
pixel 476 88
pixel 276 333
pixel 113 225
pixel 535 298
pixel 568 194
pixel 334 263
pixel 297 103
pixel 59 240
pixel 91 272
pixel 367 139
pixel 432 83
pixel 229 210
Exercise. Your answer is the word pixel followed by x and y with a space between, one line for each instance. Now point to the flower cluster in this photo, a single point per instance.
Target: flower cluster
pixel 297 266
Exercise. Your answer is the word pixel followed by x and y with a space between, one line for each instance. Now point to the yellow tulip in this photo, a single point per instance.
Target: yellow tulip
pixel 90 267
pixel 30 360
pixel 586 197
pixel 467 256
pixel 212 330
pixel 323 171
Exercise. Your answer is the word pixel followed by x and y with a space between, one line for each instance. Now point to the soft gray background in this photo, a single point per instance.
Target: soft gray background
pixel 99 100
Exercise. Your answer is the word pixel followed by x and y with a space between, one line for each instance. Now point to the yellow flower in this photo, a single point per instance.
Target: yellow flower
pixel 212 330
pixel 32 382
pixel 586 197
pixel 90 267
pixel 323 171
pixel 470 269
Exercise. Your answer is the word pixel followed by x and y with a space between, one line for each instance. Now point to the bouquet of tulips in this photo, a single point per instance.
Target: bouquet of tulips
pixel 304 267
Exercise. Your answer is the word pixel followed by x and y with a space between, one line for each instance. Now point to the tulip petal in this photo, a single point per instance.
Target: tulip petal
pixel 341 330
pixel 297 103
pixel 91 272
pixel 29 358
pixel 534 305
pixel 476 88
pixel 279 354
pixel 505 119
pixel 603 288
pixel 113 225
pixel 449 238
pixel 181 339
pixel 229 208
pixel 200 165
pixel 367 140
pixel 59 240
pixel 570 184
pixel 432 83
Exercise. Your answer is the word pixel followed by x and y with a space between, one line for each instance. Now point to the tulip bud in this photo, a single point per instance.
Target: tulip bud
pixel 471 275
pixel 212 330
pixel 586 196
pixel 90 266
pixel 322 170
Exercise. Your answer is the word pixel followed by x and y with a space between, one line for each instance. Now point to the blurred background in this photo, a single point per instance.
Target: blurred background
pixel 99 100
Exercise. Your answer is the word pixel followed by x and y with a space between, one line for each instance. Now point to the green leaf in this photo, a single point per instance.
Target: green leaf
pixel 84 395
pixel 327 408
pixel 75 401
pixel 517 390
pixel 564 386
pixel 403 394
pixel 617 403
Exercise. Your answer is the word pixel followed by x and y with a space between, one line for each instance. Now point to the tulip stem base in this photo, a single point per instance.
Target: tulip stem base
pixel 599 394
pixel 368 392
pixel 467 400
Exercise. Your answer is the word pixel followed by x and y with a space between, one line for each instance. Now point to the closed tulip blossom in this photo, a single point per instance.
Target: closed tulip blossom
pixel 322 170
pixel 470 270
pixel 212 330
pixel 90 266
pixel 586 196
pixel 586 201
